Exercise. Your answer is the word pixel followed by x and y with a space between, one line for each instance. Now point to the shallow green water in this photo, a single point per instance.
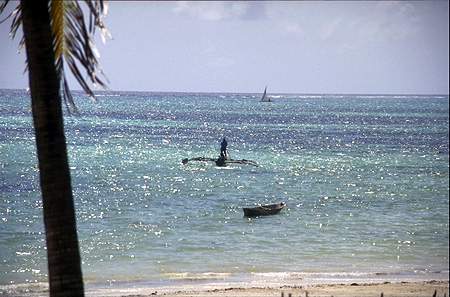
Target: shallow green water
pixel 365 179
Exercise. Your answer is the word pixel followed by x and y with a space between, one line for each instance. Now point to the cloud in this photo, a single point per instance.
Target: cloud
pixel 329 28
pixel 292 28
pixel 215 11
pixel 392 21
pixel 254 11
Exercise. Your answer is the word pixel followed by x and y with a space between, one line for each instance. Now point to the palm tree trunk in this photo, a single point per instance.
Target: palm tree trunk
pixel 64 265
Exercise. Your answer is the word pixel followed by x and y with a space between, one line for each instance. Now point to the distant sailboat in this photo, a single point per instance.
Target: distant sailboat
pixel 265 98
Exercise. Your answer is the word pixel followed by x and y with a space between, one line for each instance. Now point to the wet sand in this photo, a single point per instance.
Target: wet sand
pixel 418 288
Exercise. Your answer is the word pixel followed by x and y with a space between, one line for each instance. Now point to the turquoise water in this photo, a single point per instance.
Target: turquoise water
pixel 365 179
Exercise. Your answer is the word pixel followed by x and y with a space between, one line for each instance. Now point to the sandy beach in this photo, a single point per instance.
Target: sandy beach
pixel 354 289
pixel 416 288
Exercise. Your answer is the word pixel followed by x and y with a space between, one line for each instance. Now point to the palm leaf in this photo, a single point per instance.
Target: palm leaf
pixel 72 42
pixel 16 14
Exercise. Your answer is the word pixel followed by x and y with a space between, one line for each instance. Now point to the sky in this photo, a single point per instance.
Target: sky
pixel 306 47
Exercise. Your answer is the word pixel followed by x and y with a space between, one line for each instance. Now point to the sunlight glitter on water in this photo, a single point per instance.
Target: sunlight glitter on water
pixel 365 181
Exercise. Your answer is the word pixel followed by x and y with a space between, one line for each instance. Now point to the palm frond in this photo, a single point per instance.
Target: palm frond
pixel 16 14
pixel 73 44
pixel 72 41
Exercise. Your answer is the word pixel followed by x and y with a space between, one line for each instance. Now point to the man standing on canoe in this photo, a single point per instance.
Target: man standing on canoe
pixel 223 148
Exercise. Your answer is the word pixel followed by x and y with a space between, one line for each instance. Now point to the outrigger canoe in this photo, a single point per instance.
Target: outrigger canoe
pixel 264 210
pixel 220 161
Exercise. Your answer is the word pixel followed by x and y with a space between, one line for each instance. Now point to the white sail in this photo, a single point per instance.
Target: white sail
pixel 265 98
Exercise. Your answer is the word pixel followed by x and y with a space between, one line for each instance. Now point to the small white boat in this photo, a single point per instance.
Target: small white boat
pixel 265 98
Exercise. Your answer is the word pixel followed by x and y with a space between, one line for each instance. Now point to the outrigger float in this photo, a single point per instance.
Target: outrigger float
pixel 221 161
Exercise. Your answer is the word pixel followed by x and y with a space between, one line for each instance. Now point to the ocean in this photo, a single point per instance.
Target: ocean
pixel 365 179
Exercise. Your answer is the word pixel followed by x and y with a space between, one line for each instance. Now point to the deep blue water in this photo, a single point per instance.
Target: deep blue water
pixel 365 178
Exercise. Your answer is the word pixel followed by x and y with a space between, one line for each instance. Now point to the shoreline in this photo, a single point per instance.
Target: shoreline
pixel 349 287
pixel 362 289
pixel 274 287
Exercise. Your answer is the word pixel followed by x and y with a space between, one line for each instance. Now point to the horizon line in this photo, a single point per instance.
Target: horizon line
pixel 273 93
